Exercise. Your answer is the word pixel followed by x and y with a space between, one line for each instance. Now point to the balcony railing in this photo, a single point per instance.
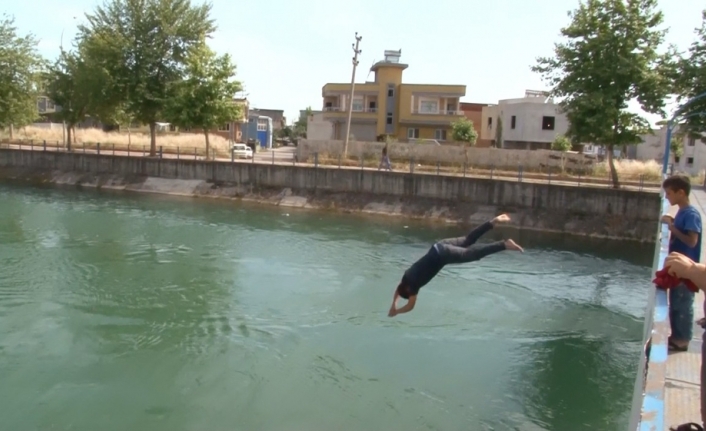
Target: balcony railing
pixel 437 112
pixel 355 109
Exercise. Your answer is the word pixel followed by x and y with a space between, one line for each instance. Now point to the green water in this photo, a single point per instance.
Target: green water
pixel 124 312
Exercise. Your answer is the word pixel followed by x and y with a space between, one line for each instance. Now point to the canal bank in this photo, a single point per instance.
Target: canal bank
pixel 585 211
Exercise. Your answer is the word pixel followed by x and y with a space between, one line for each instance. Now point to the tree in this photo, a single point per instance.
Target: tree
pixel 463 131
pixel 609 59
pixel 300 125
pixel 499 133
pixel 691 82
pixel 205 99
pixel 21 71
pixel 68 86
pixel 561 143
pixel 676 145
pixel 144 46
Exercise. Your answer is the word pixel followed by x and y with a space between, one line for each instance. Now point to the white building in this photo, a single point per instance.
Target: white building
pixel 531 122
pixel 693 158
pixel 317 127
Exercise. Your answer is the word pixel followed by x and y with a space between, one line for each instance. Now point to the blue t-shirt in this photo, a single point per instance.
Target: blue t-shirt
pixel 687 220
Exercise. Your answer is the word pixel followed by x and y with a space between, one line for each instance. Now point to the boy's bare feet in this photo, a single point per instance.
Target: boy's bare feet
pixel 512 245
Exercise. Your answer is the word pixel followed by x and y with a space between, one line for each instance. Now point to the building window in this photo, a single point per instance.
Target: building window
pixel 490 122
pixel 689 161
pixel 224 128
pixel 412 133
pixel 513 121
pixel 692 141
pixel 50 105
pixel 390 92
pixel 547 123
pixel 372 106
pixel 358 104
pixel 389 118
pixel 428 106
pixel 262 125
pixel 440 134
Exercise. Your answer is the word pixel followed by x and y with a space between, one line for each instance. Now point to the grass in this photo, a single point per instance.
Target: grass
pixel 187 142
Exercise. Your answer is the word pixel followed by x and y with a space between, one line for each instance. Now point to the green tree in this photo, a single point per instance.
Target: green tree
pixel 499 133
pixel 144 46
pixel 610 58
pixel 300 125
pixel 463 131
pixel 676 145
pixel 21 74
pixel 204 99
pixel 68 87
pixel 561 143
pixel 691 82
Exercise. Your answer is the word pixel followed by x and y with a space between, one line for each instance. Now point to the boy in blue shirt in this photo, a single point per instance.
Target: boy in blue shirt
pixel 685 238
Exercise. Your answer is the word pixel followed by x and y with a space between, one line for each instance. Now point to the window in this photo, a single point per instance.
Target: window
pixel 689 161
pixel 547 123
pixel 372 106
pixel 440 134
pixel 262 125
pixel 412 133
pixel 389 118
pixel 50 105
pixel 357 104
pixel 428 106
pixel 390 92
pixel 224 128
pixel 692 142
pixel 513 121
pixel 490 122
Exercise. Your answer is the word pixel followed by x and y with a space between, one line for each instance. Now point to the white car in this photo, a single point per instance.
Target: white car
pixel 242 151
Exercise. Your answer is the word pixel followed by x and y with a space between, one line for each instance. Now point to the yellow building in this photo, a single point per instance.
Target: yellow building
pixel 386 106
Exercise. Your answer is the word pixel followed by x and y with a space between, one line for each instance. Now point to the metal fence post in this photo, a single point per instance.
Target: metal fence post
pixel 339 160
pixel 161 151
pixel 194 153
pixel 316 160
pixel 492 168
pixel 44 143
pixel 642 181
pixel 519 173
pixel 98 148
pixel 549 178
pixel 143 151
pixel 465 166
pixel 113 149
pixel 411 165
pixel 84 148
pixel 128 150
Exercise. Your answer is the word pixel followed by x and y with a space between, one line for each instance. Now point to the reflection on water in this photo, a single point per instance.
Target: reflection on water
pixel 130 312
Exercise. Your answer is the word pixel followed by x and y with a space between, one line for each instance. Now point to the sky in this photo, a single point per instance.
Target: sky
pixel 285 51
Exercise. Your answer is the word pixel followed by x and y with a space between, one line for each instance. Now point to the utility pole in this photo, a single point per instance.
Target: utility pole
pixel 356 51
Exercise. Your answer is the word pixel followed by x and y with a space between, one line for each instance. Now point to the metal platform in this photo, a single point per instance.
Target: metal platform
pixel 669 395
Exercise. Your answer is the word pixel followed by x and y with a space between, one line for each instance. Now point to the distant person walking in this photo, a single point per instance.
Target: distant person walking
pixel 385 160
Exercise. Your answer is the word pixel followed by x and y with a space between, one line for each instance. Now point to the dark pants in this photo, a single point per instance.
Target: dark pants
pixel 681 312
pixel 464 249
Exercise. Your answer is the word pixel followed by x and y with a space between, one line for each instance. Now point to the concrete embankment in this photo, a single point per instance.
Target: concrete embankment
pixel 589 211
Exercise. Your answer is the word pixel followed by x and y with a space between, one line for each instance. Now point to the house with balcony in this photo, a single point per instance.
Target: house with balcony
pixel 528 123
pixel 387 106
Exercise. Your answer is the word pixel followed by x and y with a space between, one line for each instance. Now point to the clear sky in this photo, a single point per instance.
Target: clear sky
pixel 286 51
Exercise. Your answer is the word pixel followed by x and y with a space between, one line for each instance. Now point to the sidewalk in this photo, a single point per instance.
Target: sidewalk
pixel 682 393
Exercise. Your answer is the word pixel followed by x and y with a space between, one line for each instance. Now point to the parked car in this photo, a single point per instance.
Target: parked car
pixel 242 151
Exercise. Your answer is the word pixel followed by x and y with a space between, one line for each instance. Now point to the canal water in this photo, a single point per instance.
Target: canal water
pixel 124 312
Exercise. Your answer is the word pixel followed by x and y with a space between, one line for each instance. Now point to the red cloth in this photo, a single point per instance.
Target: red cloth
pixel 664 280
